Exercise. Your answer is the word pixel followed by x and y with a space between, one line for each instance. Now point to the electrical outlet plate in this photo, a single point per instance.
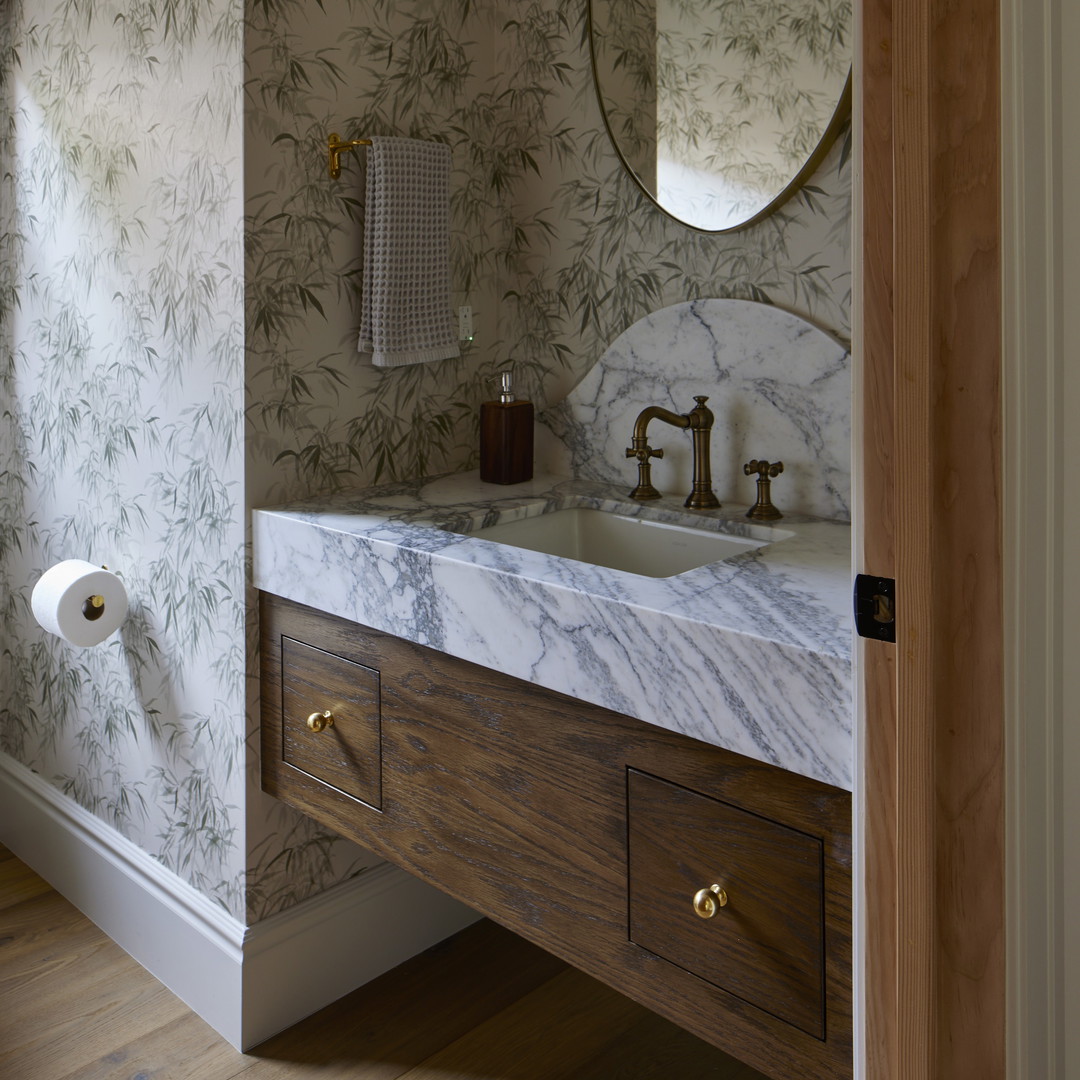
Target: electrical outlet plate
pixel 465 323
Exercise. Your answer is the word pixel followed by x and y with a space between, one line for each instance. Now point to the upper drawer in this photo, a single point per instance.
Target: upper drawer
pixel 346 753
pixel 766 944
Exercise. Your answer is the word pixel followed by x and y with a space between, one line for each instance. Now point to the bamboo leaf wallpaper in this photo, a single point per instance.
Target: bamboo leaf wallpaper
pixel 179 299
pixel 554 248
pixel 122 389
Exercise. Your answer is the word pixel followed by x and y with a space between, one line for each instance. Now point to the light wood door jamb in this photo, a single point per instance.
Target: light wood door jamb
pixel 933 731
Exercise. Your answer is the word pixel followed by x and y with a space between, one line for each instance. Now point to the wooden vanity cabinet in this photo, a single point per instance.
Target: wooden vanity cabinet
pixel 592 834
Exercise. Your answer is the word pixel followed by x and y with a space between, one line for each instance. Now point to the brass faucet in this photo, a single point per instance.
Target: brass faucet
pixel 700 421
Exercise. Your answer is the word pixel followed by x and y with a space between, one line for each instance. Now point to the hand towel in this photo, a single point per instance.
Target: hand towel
pixel 405 299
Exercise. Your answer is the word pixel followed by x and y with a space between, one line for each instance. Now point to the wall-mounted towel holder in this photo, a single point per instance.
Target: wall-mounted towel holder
pixel 335 148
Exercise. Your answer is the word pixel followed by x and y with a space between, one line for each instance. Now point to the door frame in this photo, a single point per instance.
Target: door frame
pixel 931 735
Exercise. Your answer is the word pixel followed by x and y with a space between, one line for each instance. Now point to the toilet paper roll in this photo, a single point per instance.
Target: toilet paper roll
pixel 79 602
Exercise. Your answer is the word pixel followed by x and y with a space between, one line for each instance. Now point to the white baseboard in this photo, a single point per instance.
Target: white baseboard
pixel 246 982
pixel 353 932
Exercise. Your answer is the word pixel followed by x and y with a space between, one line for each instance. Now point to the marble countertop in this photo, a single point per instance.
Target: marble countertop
pixel 752 653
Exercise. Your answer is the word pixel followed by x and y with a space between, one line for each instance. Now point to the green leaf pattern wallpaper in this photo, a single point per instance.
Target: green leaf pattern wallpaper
pixel 179 306
pixel 553 247
pixel 121 384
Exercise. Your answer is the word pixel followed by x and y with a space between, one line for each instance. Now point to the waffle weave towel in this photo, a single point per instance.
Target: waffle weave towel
pixel 405 300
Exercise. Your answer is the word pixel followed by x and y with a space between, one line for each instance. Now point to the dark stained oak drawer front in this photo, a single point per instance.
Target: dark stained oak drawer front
pixel 346 753
pixel 766 943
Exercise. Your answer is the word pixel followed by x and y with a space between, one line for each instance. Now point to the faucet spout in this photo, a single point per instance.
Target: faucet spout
pixel 700 421
pixel 657 412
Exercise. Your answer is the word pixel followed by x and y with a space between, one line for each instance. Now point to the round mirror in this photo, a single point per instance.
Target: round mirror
pixel 721 108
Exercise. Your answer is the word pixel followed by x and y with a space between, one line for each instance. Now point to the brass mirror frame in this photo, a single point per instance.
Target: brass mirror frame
pixel 840 116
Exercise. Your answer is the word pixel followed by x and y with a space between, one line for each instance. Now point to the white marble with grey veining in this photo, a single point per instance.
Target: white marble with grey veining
pixel 752 653
pixel 779 387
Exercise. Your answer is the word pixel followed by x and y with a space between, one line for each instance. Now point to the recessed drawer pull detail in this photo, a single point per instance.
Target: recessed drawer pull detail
pixel 320 721
pixel 707 902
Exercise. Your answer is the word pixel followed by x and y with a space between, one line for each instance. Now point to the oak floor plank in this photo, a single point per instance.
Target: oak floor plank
pixel 484 1005
pixel 39 970
pixel 18 882
pixel 383 1029
pixel 93 1003
pixel 186 1048
pixel 655 1047
pixel 544 1036
pixel 35 933
pixel 67 992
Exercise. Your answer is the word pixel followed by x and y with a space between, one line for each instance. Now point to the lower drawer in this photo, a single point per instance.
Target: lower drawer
pixel 757 930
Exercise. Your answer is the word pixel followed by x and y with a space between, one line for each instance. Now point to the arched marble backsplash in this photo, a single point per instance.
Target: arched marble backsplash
pixel 779 387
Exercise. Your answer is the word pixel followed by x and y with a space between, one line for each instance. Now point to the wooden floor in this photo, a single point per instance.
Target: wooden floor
pixel 483 1006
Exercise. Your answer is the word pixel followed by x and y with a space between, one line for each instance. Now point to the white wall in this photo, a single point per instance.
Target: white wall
pixel 1041 229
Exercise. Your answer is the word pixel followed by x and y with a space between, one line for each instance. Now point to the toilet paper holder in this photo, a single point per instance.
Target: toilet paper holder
pixel 94 606
pixel 79 602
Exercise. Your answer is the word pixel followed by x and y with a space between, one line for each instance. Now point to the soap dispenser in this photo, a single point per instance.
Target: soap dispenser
pixel 506 437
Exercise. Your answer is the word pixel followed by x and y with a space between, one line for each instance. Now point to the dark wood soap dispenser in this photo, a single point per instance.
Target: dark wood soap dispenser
pixel 506 437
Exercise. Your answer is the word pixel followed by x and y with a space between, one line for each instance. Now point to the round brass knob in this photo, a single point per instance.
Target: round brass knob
pixel 320 721
pixel 707 902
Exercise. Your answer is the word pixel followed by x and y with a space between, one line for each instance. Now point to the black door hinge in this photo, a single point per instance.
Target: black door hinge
pixel 875 607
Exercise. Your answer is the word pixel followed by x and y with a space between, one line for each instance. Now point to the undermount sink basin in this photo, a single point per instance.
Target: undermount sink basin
pixel 634 545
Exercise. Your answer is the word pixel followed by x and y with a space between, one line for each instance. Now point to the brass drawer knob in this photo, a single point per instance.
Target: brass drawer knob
pixel 320 721
pixel 707 902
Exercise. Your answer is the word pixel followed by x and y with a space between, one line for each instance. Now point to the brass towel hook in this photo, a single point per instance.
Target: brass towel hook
pixel 335 148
